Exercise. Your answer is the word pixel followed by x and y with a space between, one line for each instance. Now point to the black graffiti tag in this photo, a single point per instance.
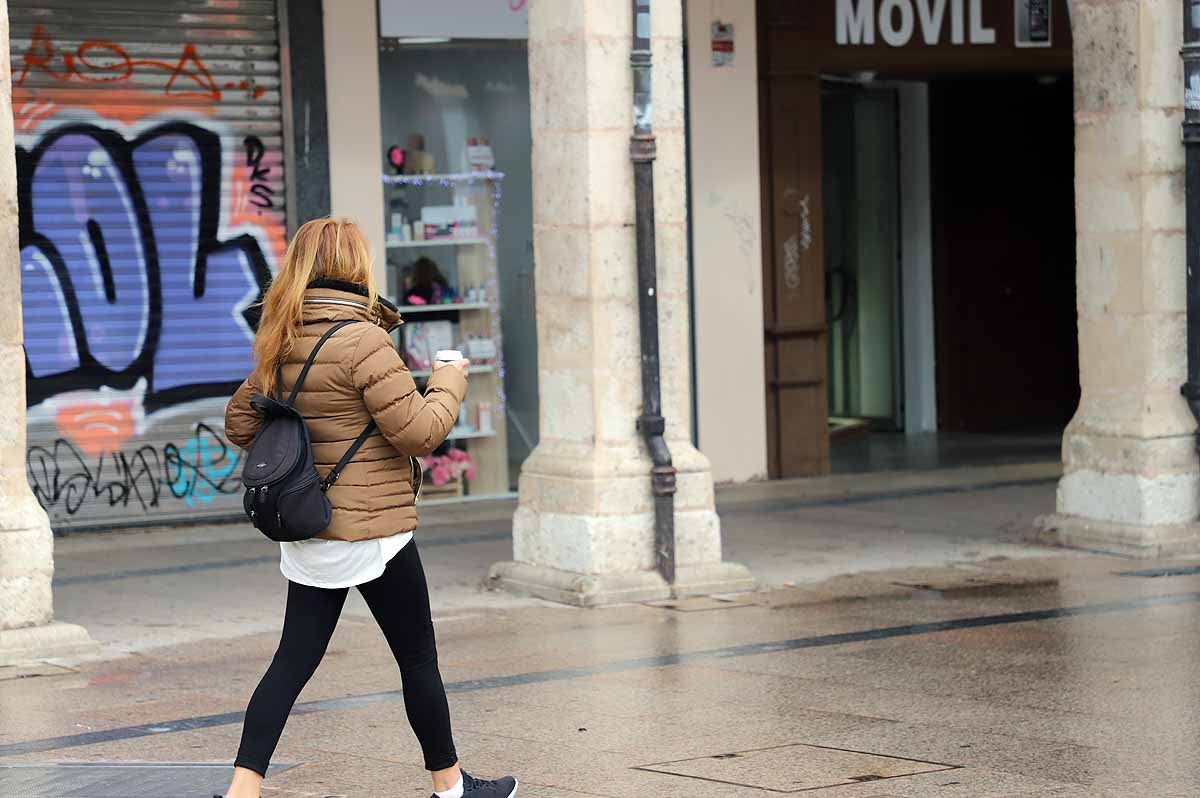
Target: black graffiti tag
pixel 263 193
pixel 196 473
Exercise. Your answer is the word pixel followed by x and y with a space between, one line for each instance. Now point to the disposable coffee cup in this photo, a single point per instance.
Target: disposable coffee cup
pixel 448 356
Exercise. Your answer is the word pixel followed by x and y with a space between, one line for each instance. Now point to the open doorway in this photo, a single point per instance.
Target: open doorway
pixel 1002 174
pixel 949 270
pixel 862 256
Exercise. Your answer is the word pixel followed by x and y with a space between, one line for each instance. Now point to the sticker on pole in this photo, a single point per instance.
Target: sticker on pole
pixel 722 43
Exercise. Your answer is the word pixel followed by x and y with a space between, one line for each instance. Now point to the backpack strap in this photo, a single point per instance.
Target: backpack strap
pixel 308 363
pixel 336 471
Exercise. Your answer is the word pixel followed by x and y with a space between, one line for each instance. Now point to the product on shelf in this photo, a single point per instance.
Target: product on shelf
pixel 423 339
pixel 425 284
pixel 416 160
pixel 451 303
pixel 449 221
pixel 481 350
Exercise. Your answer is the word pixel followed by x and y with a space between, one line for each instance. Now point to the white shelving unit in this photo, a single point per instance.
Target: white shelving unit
pixel 398 243
pixel 466 262
pixel 408 310
pixel 486 368
pixel 474 435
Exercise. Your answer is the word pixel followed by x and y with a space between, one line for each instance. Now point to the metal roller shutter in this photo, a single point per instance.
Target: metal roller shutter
pixel 150 166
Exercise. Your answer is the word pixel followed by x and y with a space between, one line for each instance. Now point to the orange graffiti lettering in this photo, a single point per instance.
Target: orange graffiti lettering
pixel 100 61
pixel 96 427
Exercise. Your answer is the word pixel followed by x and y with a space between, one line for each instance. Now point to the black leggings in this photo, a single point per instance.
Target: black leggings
pixel 399 600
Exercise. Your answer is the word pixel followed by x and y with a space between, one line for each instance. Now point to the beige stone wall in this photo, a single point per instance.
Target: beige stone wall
pixel 355 137
pixel 1131 479
pixel 588 345
pixel 727 243
pixel 26 545
pixel 585 502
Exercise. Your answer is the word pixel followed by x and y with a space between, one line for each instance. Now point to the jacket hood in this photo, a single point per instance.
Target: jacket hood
pixel 335 300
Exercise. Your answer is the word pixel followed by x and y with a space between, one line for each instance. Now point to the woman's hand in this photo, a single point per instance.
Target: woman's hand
pixel 462 365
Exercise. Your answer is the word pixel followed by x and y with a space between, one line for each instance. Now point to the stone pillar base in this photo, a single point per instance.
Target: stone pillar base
pixel 595 590
pixel 1129 540
pixel 47 641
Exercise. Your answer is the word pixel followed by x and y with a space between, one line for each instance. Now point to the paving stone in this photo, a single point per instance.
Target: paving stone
pixel 795 768
pixel 1100 704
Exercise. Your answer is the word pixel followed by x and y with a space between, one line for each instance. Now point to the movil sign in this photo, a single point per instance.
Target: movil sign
pixel 895 22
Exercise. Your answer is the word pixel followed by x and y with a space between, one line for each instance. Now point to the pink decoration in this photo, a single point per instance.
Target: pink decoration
pixel 455 464
pixel 440 474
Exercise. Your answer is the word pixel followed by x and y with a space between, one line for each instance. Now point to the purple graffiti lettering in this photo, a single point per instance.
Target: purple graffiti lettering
pixel 49 340
pixel 204 289
pixel 82 205
pixel 125 276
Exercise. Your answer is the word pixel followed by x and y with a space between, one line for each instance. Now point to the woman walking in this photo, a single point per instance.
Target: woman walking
pixel 356 377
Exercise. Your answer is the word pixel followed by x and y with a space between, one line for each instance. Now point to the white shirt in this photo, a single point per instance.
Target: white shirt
pixel 338 563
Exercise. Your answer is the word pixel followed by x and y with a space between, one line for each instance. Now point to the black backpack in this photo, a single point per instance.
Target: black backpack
pixel 285 498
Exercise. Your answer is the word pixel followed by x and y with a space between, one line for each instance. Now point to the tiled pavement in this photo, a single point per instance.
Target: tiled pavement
pixel 1050 675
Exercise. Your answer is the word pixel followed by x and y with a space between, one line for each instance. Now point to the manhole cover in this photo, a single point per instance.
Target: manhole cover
pixel 795 768
pixel 117 780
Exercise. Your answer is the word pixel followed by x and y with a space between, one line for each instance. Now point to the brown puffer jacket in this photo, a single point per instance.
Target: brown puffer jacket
pixel 358 375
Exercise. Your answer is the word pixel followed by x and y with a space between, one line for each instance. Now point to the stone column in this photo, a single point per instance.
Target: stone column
pixel 1130 482
pixel 583 533
pixel 27 629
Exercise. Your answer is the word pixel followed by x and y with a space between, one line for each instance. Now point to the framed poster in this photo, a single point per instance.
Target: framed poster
pixel 1031 23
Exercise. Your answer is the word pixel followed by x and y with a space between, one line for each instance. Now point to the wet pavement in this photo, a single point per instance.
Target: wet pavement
pixel 976 675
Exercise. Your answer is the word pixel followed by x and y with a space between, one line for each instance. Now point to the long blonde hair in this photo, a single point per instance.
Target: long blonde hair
pixel 330 248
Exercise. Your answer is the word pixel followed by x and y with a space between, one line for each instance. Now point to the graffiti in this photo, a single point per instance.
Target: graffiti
pixel 791 263
pixel 122 269
pixel 101 61
pixel 64 478
pixel 150 198
pixel 806 230
pixel 263 193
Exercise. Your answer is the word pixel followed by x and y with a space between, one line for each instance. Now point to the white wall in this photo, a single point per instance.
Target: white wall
pixel 727 243
pixel 355 140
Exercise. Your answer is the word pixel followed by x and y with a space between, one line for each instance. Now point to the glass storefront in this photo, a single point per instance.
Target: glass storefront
pixel 458 210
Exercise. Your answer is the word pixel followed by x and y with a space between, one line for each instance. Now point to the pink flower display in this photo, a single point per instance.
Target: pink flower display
pixel 455 464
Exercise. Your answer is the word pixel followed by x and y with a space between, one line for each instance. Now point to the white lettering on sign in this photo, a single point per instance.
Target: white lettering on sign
pixel 893 34
pixel 855 22
pixel 979 33
pixel 931 15
pixel 858 21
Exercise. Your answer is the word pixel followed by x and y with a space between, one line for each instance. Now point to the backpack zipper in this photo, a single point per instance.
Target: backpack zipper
pixel 304 483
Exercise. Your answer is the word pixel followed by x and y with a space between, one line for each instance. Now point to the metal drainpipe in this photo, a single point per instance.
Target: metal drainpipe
pixel 1191 141
pixel 651 423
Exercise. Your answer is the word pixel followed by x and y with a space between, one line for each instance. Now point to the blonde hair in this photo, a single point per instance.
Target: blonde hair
pixel 330 248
